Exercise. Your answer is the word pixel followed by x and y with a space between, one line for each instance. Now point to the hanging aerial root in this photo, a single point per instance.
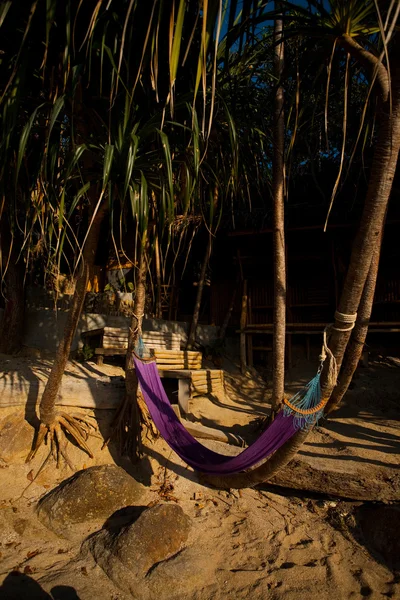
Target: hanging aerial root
pixel 128 426
pixel 118 423
pixel 54 435
pixel 126 429
pixel 151 430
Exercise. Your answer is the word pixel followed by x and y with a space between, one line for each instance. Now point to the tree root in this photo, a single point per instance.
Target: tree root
pixel 54 435
pixel 129 426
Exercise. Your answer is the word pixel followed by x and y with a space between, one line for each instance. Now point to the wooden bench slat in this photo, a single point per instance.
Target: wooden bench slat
pixel 178 353
pixel 122 331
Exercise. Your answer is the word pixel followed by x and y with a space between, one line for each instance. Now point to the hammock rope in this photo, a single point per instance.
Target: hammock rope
pixel 347 319
pixel 140 347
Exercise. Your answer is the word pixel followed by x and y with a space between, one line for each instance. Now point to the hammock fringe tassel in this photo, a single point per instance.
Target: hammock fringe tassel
pixel 306 407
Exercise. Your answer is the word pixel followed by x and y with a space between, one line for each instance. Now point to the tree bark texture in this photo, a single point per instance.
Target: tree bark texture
pixel 279 317
pixel 373 217
pixel 132 439
pixel 47 404
pixel 199 295
pixel 359 333
pixel 373 65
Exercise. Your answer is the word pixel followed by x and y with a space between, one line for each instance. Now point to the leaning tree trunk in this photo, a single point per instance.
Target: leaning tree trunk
pixel 12 323
pixel 373 218
pixel 359 333
pixel 262 473
pixel 127 426
pixel 47 409
pixel 199 295
pixel 370 230
pixel 279 317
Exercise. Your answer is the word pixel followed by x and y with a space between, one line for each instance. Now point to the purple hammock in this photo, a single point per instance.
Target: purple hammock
pixel 188 448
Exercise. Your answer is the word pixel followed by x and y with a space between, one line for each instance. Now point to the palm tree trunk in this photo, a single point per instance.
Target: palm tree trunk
pixel 199 296
pixel 47 408
pixel 279 226
pixel 359 333
pixel 130 414
pixel 373 218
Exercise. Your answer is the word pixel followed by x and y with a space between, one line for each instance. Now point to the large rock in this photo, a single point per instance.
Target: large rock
pixel 16 437
pixel 89 495
pixel 130 555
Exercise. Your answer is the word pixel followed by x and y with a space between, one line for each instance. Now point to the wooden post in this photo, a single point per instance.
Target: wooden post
pixel 243 321
pixel 250 349
pixel 224 326
pixel 184 395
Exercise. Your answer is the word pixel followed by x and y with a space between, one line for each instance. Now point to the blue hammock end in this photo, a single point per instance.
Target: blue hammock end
pixel 303 406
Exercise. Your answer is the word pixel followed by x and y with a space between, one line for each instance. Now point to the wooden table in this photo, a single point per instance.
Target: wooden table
pixel 183 377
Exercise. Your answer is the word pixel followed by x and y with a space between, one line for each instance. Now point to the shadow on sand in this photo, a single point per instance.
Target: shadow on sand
pixel 19 586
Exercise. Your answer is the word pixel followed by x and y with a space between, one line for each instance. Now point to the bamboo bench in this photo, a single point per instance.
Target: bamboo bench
pixel 206 381
pixel 194 383
pixel 172 363
pixel 114 341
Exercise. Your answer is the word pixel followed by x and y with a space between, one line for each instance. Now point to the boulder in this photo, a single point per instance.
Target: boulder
pixel 90 495
pixel 16 437
pixel 130 555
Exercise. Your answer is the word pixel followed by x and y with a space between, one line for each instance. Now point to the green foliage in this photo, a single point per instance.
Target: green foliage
pixel 121 286
pixel 142 106
pixel 85 353
pixel 85 120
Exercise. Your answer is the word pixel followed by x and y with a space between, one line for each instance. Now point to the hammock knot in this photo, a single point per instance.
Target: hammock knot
pixel 347 319
pixel 326 352
pixel 139 347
